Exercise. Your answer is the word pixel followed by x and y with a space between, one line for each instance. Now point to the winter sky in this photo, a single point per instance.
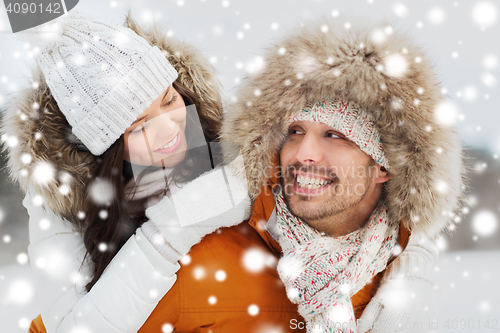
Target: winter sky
pixel 460 37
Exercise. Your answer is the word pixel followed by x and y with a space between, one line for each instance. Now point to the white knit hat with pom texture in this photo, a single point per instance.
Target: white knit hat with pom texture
pixel 102 75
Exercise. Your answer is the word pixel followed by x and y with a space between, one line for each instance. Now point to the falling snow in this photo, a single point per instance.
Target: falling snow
pixel 43 173
pixel 485 13
pixel 254 260
pixel 395 65
pixel 485 223
pixel 253 310
pixel 473 103
pixel 446 113
pixel 101 191
pixel 437 15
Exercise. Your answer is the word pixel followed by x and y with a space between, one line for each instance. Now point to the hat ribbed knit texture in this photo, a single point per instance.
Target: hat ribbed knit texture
pixel 103 76
pixel 349 120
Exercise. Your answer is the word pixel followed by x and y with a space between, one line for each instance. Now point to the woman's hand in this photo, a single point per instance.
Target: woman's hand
pixel 218 198
pixel 406 298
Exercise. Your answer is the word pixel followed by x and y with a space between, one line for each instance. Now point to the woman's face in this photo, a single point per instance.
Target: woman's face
pixel 157 137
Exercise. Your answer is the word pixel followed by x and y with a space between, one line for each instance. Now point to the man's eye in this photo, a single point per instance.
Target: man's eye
pixel 332 135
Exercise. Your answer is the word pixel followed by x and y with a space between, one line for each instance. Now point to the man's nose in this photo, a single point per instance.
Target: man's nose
pixel 310 149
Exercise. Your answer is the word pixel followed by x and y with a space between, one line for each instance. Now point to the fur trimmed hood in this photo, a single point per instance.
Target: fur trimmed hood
pixel 361 64
pixel 39 140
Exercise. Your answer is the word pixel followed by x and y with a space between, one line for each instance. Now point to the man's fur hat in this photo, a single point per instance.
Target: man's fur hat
pixel 388 77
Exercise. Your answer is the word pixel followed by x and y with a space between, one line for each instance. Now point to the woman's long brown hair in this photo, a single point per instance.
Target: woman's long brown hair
pixel 120 224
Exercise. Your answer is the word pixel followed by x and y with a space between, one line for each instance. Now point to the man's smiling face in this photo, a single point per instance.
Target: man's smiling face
pixel 325 174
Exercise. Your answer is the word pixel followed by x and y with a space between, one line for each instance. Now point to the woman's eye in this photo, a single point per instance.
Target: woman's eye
pixel 172 100
pixel 294 131
pixel 139 130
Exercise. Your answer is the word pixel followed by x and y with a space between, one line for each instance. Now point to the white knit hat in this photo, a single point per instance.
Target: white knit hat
pixel 102 76
pixel 348 119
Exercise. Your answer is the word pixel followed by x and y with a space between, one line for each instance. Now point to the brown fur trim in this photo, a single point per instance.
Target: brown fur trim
pixel 309 65
pixel 44 134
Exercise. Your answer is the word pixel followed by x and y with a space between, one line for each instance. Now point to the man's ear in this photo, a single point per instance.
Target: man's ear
pixel 381 174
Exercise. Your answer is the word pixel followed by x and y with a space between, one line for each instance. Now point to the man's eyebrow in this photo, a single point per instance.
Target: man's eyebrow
pixel 141 118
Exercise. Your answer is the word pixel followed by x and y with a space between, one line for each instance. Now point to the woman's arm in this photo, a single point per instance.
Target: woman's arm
pixel 406 296
pixel 143 270
pixel 123 298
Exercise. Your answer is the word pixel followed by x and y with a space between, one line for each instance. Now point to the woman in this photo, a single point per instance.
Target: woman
pixel 106 98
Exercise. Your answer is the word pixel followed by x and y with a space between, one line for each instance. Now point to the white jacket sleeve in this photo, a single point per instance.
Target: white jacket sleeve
pixel 122 299
pixel 406 299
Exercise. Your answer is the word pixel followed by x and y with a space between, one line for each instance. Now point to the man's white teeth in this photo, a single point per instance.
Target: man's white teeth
pixel 312 183
pixel 170 144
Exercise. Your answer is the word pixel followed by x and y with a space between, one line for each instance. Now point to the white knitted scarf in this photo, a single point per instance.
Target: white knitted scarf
pixel 322 273
pixel 153 186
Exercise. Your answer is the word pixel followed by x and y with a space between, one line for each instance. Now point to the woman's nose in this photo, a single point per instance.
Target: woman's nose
pixel 164 126
pixel 310 149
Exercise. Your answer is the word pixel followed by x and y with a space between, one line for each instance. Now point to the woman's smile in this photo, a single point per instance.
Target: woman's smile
pixel 170 146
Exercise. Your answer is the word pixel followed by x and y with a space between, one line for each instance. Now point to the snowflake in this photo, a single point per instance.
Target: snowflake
pixel 20 292
pixel 43 173
pixel 199 273
pixel 220 275
pixel 340 315
pixel 253 310
pixel 446 113
pixel 101 191
pixel 490 61
pixel 102 247
pixel 437 15
pixel 400 10
pixel 470 93
pixel 186 259
pixel 441 243
pixel 167 328
pixel 254 260
pixel 103 214
pixel 485 223
pixel 26 158
pixel 153 293
pixel 255 65
pixel 24 323
pixel 395 65
pixel 485 306
pixel 489 80
pixel 22 258
pixel 484 14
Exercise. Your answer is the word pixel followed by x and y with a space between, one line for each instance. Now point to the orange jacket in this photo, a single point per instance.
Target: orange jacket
pixel 186 306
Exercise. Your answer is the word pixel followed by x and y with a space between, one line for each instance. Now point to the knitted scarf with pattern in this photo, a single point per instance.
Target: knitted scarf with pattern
pixel 322 273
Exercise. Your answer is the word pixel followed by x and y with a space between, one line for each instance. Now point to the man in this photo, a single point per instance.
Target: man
pixel 345 158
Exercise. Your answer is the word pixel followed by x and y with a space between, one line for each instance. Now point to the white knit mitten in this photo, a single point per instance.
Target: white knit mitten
pixel 218 198
pixel 406 299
